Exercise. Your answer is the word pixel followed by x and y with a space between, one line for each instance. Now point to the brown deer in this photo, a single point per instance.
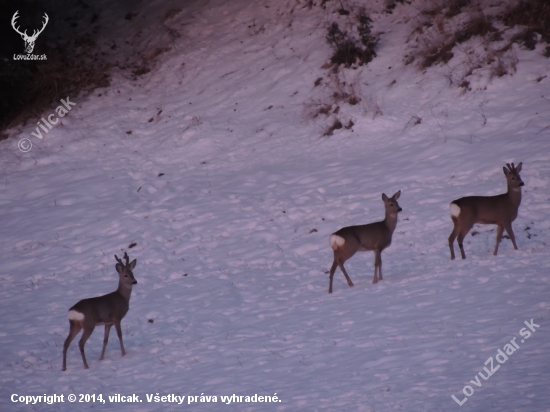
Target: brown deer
pixel 105 310
pixel 374 236
pixel 501 210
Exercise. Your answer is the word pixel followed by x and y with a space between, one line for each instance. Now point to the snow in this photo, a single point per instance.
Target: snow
pixel 230 192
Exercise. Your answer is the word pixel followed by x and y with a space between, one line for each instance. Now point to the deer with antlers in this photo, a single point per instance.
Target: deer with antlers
pixel 105 310
pixel 29 40
pixel 501 210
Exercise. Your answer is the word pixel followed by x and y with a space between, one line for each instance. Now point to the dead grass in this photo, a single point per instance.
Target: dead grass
pixel 439 48
pixel 352 48
pixel 447 29
pixel 440 32
pixel 336 125
pixel 534 16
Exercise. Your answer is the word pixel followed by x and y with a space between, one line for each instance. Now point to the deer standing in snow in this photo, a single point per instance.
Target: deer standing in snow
pixel 501 210
pixel 105 310
pixel 373 236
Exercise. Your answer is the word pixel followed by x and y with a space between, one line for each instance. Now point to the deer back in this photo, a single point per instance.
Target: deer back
pixel 497 209
pixel 103 309
pixel 367 237
pixel 487 209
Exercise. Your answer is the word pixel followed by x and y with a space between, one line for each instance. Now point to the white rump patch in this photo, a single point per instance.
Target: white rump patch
pixel 455 210
pixel 336 241
pixel 74 315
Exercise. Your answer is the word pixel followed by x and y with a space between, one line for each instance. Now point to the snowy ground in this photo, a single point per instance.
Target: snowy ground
pixel 230 193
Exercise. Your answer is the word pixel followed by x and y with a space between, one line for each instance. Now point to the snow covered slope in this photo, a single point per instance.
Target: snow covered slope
pixel 214 167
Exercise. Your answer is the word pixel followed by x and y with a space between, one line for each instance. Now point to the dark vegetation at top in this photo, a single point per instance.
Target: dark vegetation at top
pixel 534 15
pixel 71 66
pixel 442 52
pixel 80 54
pixel 75 64
pixel 351 49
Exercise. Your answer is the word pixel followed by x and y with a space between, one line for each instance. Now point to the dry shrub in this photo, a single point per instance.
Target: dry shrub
pixel 391 5
pixel 534 15
pixel 337 124
pixel 439 44
pixel 448 24
pixel 454 7
pixel 479 25
pixel 350 49
pixel 331 110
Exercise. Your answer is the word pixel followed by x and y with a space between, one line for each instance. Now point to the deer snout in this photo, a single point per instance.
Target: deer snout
pixel 134 282
pixel 399 210
pixel 521 184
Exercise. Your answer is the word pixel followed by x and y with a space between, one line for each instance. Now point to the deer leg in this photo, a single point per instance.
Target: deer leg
pixel 341 265
pixel 452 238
pixel 332 270
pixel 375 278
pixel 380 265
pixel 377 266
pixel 85 335
pixel 105 340
pixel 500 229
pixel 461 237
pixel 75 328
pixel 119 333
pixel 508 227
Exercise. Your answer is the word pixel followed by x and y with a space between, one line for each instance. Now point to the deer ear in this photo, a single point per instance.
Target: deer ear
pixel 132 264
pixel 119 267
pixel 384 197
pixel 396 195
pixel 518 169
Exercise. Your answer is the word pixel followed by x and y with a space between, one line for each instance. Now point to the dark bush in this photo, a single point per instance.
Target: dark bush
pixel 535 16
pixel 454 7
pixel 349 50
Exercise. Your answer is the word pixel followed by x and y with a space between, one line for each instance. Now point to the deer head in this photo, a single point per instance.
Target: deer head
pixel 29 40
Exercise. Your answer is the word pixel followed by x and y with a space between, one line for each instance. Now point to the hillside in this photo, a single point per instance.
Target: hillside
pixel 218 166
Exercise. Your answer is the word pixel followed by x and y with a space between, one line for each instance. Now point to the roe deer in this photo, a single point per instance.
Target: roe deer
pixel 501 210
pixel 105 310
pixel 374 236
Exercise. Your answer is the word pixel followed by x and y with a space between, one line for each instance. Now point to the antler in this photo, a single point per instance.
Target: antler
pixel 46 20
pixel 24 34
pixel 13 19
pixel 126 258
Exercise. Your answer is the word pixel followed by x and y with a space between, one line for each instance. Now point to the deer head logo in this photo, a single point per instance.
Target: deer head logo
pixel 29 40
